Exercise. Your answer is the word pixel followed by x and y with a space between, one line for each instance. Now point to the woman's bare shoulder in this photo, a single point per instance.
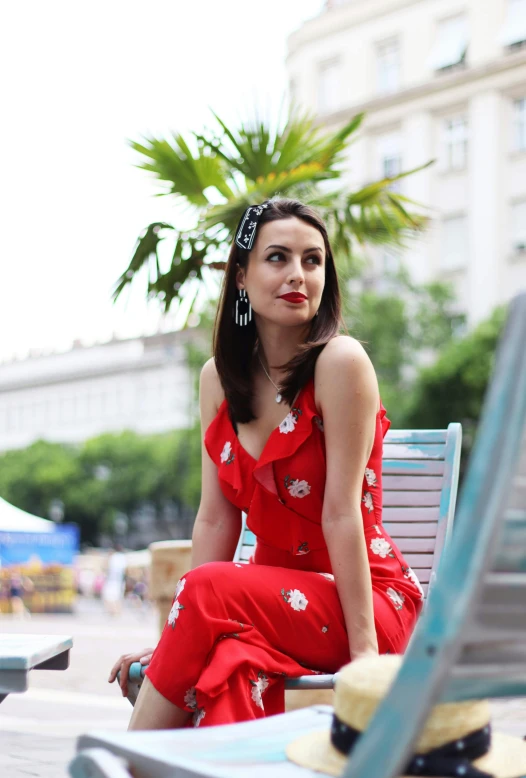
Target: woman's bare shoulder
pixel 342 366
pixel 342 351
pixel 211 393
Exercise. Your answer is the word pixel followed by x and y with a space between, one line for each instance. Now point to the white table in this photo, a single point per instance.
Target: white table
pixel 21 653
pixel 255 748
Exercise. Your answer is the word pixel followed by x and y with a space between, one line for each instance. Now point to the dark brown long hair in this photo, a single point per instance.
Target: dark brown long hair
pixel 234 346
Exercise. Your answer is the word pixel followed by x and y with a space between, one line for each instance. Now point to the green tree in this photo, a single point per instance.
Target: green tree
pixel 31 478
pixel 214 175
pixel 120 471
pixel 399 329
pixel 107 475
pixel 453 388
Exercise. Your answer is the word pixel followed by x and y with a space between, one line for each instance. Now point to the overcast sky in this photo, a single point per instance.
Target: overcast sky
pixel 77 80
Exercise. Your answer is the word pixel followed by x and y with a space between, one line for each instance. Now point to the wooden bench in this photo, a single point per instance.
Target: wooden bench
pixel 19 654
pixel 420 480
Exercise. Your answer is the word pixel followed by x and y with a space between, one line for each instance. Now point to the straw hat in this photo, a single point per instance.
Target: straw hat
pixel 362 684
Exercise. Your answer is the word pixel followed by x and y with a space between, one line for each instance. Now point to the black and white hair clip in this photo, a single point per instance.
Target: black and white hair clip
pixel 246 231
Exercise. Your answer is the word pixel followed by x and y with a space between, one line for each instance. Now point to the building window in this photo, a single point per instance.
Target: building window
pixel 518 226
pixel 454 249
pixel 390 157
pixel 451 43
pixel 519 122
pixel 392 165
pixel 329 87
pixel 388 66
pixel 455 132
pixel 514 30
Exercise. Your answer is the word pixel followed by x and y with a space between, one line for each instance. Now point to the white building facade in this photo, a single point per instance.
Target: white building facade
pixel 141 384
pixel 440 80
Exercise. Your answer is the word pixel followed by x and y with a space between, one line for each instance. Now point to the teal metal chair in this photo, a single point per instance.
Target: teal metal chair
pixel 420 480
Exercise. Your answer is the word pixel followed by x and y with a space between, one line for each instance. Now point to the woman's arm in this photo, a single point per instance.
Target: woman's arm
pixel 347 393
pixel 218 522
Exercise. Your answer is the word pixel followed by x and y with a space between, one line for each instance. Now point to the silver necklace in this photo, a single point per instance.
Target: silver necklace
pixel 278 391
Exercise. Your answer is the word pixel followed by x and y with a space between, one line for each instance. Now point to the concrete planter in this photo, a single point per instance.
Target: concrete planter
pixel 171 559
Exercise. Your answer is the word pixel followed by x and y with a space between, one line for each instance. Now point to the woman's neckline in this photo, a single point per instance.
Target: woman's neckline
pixel 273 431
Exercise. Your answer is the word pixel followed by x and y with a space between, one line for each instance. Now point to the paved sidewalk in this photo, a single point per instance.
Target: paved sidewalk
pixel 38 729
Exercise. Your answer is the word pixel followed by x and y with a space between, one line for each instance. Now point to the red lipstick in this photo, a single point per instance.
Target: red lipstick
pixel 293 297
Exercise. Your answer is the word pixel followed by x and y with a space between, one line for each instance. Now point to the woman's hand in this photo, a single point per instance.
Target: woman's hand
pixel 123 663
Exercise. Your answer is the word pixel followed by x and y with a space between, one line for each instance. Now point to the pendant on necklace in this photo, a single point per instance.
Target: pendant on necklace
pixel 278 397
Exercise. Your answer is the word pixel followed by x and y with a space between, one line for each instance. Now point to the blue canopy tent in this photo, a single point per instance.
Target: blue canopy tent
pixel 42 554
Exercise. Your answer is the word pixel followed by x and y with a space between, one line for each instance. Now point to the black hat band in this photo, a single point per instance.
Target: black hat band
pixel 452 759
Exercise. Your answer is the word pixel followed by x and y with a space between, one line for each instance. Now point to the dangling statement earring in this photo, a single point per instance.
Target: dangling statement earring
pixel 243 308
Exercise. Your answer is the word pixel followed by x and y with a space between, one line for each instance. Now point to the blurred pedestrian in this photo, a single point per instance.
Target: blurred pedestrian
pixel 16 597
pixel 115 583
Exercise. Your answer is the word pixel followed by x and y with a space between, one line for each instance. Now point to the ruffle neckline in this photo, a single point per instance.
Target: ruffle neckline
pixel 280 444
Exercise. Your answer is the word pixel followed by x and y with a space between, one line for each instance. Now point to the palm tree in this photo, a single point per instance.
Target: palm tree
pixel 216 174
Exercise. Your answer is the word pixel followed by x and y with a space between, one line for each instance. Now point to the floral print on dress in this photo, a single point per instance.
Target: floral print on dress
pixel 381 547
pixel 303 549
pixel 409 573
pixel 325 628
pixel 397 598
pixel 258 688
pixel 289 422
pixel 174 613
pixel 370 477
pixel 367 500
pixel 179 588
pixel 234 634
pixel 328 576
pixel 297 488
pixel 198 716
pixel 377 528
pixel 227 455
pixel 295 599
pixel 190 699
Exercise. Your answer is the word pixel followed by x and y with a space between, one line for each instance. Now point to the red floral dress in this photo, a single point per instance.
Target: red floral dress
pixel 235 630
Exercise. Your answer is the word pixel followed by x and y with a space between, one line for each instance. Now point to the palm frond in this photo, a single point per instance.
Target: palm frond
pixel 145 251
pixel 370 192
pixel 187 174
pixel 248 164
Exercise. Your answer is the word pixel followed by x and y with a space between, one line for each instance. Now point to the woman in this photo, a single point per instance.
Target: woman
pixel 293 429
